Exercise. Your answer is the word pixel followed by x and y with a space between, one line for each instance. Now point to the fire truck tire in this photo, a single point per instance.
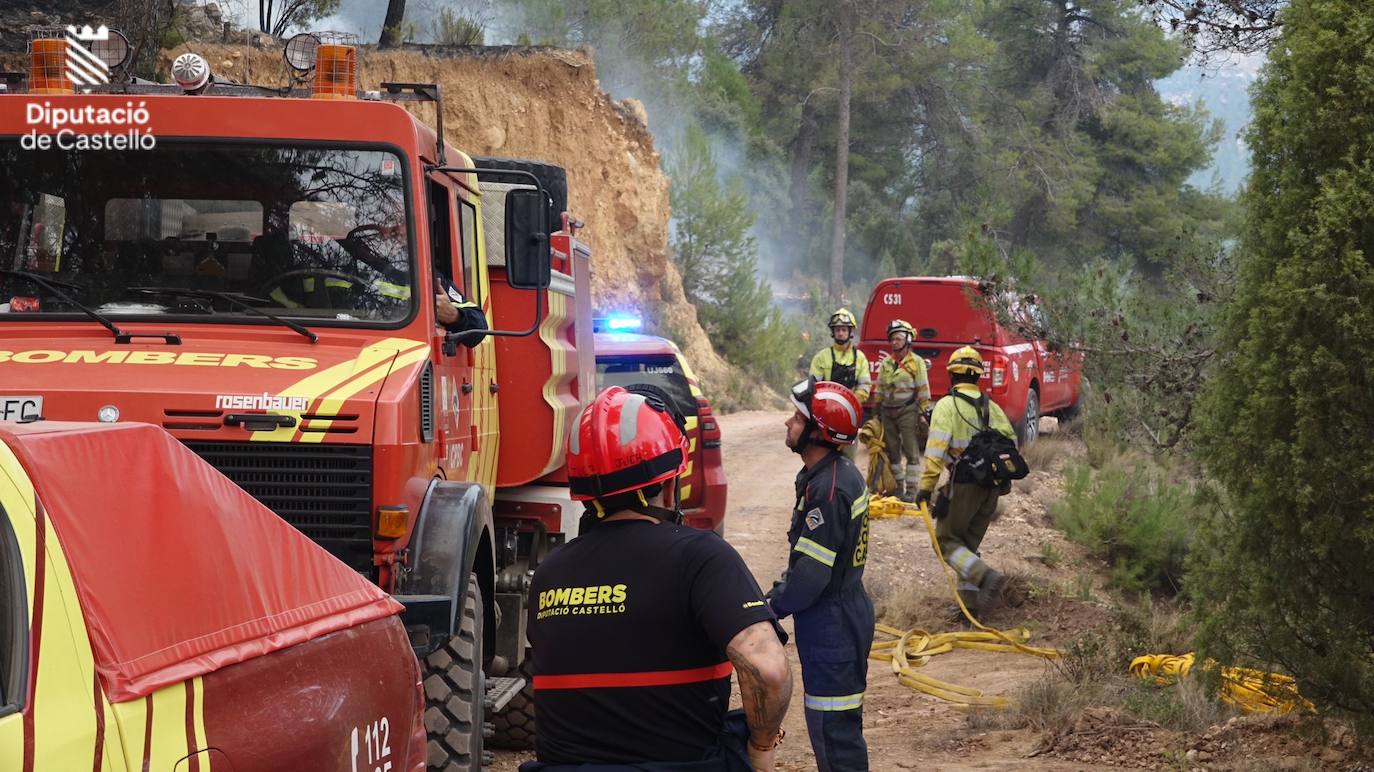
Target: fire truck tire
pixel 553 178
pixel 454 693
pixel 1028 428
pixel 515 724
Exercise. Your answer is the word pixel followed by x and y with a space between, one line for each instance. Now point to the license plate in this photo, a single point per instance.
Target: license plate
pixel 20 408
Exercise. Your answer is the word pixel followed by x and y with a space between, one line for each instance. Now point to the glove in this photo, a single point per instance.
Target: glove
pixel 922 497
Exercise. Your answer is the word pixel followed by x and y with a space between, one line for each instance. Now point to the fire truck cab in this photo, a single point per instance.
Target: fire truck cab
pixel 258 272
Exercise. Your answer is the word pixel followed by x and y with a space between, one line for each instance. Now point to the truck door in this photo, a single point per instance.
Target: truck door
pixel 481 360
pixel 453 373
pixel 1052 366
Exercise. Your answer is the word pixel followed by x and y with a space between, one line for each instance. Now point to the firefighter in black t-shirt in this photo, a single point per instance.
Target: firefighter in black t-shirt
pixel 823 587
pixel 637 624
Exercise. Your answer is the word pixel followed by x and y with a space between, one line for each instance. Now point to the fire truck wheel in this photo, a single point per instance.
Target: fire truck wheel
pixel 515 724
pixel 454 695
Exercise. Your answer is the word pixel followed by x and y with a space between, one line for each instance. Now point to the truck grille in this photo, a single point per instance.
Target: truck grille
pixel 325 491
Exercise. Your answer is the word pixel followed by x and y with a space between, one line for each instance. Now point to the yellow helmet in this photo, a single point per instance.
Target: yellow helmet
pixel 965 360
pixel 901 325
pixel 842 318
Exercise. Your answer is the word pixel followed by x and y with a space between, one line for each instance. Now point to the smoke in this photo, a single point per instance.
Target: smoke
pixel 626 71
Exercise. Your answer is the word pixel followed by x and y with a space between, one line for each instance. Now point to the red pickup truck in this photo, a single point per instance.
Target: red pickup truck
pixel 1024 376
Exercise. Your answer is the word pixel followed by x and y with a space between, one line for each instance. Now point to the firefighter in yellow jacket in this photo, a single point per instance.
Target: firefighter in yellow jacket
pixel 903 404
pixel 843 363
pixel 964 509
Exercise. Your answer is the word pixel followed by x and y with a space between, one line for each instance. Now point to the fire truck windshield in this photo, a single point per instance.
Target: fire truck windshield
pixel 318 234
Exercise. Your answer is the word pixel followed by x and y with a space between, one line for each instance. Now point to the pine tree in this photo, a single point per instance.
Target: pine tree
pixel 711 222
pixel 719 262
pixel 1285 577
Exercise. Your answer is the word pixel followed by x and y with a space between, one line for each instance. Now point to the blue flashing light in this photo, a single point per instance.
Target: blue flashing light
pixel 624 323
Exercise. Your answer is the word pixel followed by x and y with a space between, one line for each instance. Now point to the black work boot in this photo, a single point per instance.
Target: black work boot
pixel 990 589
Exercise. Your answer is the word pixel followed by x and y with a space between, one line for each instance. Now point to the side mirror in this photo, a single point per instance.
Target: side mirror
pixel 527 239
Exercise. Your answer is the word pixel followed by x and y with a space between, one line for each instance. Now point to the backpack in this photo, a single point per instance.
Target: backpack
pixel 991 457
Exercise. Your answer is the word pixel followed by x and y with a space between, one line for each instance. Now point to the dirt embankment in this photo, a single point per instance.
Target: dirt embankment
pixel 546 104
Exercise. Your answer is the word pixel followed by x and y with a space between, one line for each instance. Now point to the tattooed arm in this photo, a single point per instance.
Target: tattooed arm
pixel 765 685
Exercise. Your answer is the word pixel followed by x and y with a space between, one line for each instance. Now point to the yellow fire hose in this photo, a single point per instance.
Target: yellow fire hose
pixel 1252 691
pixel 880 477
pixel 910 650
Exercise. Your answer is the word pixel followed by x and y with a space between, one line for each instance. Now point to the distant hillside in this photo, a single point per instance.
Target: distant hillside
pixel 1225 92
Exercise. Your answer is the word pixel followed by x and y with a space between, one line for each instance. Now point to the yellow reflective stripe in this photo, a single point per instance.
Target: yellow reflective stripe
pixel 308 284
pixel 332 402
pixel 337 283
pixel 397 291
pixel 279 295
pixel 685 493
pixel 319 384
pixel 962 560
pixel 815 551
pixel 845 702
pixel 860 507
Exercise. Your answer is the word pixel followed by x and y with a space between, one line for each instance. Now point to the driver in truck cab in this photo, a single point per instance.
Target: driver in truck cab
pixel 370 246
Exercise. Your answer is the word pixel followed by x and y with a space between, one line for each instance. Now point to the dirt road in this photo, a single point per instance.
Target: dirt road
pixel 908 730
pixel 904 730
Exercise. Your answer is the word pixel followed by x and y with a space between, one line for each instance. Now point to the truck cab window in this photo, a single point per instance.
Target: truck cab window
pixel 311 232
pixel 14 621
pixel 441 231
pixel 468 213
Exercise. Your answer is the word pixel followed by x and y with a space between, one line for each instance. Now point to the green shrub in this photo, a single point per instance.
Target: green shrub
pixel 1137 518
pixel 1284 581
pixel 1186 705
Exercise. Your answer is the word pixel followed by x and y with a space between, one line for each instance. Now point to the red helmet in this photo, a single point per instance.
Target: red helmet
pixel 623 441
pixel 831 407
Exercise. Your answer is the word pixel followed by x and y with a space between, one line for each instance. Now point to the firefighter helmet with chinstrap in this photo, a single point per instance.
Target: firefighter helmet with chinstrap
pixel 901 325
pixel 830 407
pixel 623 441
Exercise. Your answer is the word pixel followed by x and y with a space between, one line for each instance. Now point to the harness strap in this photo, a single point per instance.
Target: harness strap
pixel 980 407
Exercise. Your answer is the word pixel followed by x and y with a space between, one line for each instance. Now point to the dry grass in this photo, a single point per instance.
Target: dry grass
pixel 1277 765
pixel 1042 454
pixel 1047 704
pixel 908 607
pixel 1186 706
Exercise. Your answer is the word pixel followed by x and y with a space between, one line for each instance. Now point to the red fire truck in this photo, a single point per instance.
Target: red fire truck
pixel 255 270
